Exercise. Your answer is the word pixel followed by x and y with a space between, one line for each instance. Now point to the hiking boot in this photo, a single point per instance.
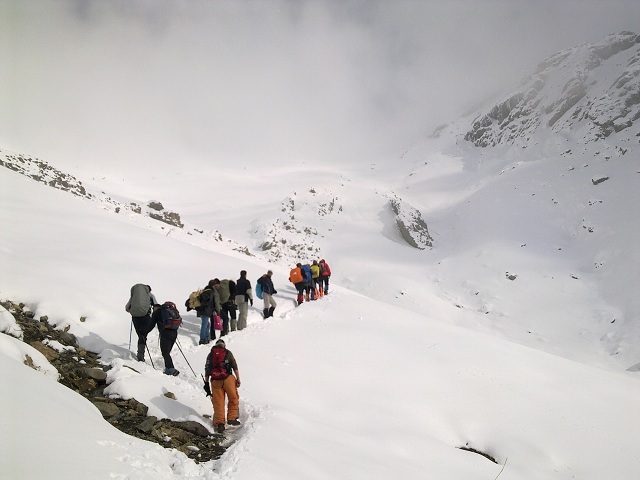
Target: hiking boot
pixel 220 428
pixel 171 371
pixel 233 422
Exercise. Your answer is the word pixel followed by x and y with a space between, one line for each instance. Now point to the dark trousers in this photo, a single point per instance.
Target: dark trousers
pixel 143 326
pixel 227 311
pixel 167 339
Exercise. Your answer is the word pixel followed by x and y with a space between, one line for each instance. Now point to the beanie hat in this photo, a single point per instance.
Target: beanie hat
pixel 220 342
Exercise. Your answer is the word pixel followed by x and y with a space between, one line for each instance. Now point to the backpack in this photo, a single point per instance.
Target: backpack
pixel 325 271
pixel 193 301
pixel 219 367
pixel 295 275
pixel 170 316
pixel 306 272
pixel 140 301
pixel 258 290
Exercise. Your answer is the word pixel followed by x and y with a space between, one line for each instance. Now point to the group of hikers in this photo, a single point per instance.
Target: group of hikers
pixel 311 281
pixel 216 306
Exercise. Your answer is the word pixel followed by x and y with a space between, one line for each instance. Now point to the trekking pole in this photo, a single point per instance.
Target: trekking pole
pixel 150 359
pixel 185 358
pixel 130 333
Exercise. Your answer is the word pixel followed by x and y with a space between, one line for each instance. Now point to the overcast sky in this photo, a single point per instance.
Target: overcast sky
pixel 147 81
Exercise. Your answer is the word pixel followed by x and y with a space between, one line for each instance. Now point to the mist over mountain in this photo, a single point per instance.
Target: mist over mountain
pixel 489 257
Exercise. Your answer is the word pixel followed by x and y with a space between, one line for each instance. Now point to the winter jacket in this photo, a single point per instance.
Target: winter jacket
pixel 207 303
pixel 229 361
pixel 243 287
pixel 315 271
pixel 267 285
pixel 325 271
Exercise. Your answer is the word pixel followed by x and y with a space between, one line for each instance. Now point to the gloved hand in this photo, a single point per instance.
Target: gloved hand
pixel 207 388
pixel 251 301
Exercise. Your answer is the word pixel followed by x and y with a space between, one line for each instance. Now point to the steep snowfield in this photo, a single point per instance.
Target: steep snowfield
pixel 515 335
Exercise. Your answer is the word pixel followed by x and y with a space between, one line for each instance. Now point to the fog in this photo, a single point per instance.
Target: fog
pixel 118 83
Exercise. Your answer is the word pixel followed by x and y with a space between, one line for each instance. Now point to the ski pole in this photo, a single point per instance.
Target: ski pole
pixel 130 332
pixel 150 359
pixel 185 358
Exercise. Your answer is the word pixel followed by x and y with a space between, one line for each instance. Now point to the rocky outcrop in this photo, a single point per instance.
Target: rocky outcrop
pixel 411 225
pixel 42 172
pixel 592 90
pixel 81 371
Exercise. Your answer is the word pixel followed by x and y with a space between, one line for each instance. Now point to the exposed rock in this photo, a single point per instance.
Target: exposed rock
pixel 96 374
pixel 82 372
pixel 411 225
pixel 49 353
pixel 147 424
pixel 595 104
pixel 599 180
pixel 107 410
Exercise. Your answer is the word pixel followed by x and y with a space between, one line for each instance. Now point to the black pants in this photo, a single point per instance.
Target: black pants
pixel 143 326
pixel 227 311
pixel 167 339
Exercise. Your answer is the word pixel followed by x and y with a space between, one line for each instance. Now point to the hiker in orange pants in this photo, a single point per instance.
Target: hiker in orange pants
pixel 224 385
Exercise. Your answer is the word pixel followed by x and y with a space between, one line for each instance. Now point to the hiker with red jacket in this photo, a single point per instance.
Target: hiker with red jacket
pixel 325 273
pixel 220 382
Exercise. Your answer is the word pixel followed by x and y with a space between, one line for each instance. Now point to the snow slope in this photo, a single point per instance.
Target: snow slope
pixel 515 335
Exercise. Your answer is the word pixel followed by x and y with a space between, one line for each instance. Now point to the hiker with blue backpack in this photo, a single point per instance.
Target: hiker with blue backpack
pixel 267 290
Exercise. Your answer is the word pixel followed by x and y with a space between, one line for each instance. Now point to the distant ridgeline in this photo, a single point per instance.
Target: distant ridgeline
pixel 42 172
pixel 590 91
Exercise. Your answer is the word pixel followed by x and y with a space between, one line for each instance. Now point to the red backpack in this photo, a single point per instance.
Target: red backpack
pixel 219 367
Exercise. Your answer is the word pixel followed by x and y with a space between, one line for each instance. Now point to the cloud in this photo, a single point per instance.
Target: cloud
pixel 154 82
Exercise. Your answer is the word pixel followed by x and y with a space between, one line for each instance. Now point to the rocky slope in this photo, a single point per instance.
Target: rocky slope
pixel 589 91
pixel 82 371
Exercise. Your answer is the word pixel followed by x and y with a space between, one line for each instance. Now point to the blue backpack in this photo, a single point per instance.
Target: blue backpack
pixel 258 290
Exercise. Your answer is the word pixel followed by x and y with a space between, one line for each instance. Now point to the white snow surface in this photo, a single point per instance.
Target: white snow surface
pixel 516 335
pixel 413 354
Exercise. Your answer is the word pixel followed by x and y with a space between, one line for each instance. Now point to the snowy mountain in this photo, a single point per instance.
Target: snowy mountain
pixel 483 297
pixel 587 92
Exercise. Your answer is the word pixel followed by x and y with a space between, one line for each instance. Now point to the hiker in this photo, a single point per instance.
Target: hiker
pixel 325 273
pixel 217 305
pixel 296 277
pixel 244 297
pixel 306 273
pixel 227 291
pixel 168 334
pixel 220 382
pixel 268 290
pixel 315 279
pixel 139 307
pixel 205 312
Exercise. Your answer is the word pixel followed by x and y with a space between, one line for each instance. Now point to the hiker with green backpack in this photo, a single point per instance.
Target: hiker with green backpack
pixel 139 307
